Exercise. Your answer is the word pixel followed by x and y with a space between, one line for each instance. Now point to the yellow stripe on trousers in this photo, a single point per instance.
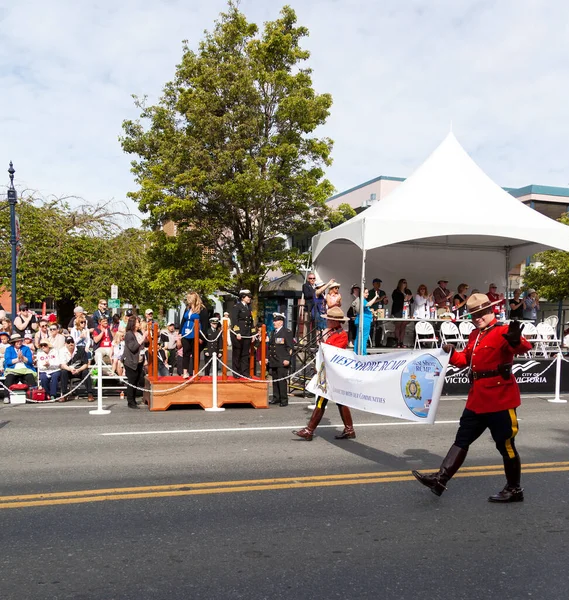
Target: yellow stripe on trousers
pixel 514 420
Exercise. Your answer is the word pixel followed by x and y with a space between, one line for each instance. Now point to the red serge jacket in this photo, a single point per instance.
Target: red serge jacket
pixel 338 338
pixel 484 352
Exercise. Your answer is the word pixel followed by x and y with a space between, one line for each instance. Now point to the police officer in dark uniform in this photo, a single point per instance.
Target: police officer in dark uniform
pixel 242 330
pixel 214 342
pixel 281 345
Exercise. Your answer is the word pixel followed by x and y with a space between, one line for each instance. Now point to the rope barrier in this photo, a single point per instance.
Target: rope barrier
pixel 273 380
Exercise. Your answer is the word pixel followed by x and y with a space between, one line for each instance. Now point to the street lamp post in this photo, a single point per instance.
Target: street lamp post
pixel 13 200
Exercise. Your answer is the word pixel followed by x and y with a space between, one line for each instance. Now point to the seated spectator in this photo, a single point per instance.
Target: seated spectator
pixel 79 311
pixel 81 334
pixel 29 341
pixel 6 325
pixel 4 343
pixel 42 333
pixel 118 351
pixel 18 363
pixel 49 368
pixel 115 323
pixel 74 364
pixel 25 320
pixel 56 338
pixel 103 340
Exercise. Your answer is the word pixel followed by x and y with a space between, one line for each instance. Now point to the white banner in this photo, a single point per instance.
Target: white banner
pixel 405 385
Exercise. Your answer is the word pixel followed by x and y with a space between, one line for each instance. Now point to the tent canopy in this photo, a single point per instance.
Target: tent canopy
pixel 447 220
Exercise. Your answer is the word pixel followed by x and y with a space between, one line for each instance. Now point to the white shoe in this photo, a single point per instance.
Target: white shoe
pixel 6 400
pixel 351 345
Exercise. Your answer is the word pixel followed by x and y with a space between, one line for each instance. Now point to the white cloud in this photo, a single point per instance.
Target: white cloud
pixel 399 71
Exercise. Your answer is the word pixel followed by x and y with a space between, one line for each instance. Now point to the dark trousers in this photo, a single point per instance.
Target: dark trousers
pixel 172 359
pixel 240 357
pixel 133 377
pixel 66 377
pixel 188 353
pixel 503 426
pixel 12 378
pixel 280 388
pixel 50 383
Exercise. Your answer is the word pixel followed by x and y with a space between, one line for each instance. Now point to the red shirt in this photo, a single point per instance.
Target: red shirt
pixel 106 341
pixel 494 298
pixel 486 349
pixel 337 338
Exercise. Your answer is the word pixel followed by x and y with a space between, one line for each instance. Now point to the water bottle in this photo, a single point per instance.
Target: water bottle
pixel 502 315
pixel 386 313
pixel 406 310
pixel 433 312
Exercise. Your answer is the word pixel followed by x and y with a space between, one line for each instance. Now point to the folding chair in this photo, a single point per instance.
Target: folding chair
pixel 424 328
pixel 552 320
pixel 465 328
pixel 530 333
pixel 450 334
pixel 547 339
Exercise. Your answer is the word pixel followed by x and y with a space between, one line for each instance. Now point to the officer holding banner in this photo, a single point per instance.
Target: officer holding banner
pixel 492 400
pixel 335 336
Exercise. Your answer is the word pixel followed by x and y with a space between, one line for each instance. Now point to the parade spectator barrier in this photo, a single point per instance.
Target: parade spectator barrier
pixel 161 394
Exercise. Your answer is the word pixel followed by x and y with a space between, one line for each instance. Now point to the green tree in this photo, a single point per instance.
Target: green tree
pixel 230 153
pixel 550 276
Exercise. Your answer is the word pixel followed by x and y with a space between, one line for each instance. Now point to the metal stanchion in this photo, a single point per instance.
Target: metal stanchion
pixel 214 408
pixel 99 410
pixel 557 399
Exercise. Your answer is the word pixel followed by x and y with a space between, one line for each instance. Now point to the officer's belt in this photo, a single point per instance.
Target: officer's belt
pixel 484 374
pixel 505 370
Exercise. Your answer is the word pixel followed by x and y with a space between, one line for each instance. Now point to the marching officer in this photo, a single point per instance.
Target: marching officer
pixel 243 330
pixel 281 345
pixel 492 400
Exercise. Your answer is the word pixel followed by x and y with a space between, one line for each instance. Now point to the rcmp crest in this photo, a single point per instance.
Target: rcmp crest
pixel 321 382
pixel 418 380
pixel 413 388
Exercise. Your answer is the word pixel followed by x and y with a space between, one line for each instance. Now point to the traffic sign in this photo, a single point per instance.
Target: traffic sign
pixel 114 291
pixel 114 303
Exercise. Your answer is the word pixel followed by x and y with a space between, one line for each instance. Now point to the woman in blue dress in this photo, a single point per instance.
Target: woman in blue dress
pixel 368 319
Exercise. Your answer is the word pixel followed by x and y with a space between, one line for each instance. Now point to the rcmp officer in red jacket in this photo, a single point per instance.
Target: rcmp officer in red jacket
pixel 281 345
pixel 336 336
pixel 492 400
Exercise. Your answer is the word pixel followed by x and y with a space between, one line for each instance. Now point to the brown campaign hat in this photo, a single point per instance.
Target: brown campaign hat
pixel 478 302
pixel 336 314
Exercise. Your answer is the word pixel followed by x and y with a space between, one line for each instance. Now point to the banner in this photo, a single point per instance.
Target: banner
pixel 405 385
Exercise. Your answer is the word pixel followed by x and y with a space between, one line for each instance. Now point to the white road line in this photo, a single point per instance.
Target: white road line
pixel 274 428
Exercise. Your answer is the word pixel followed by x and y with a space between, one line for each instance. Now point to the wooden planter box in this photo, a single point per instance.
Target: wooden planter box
pixel 231 391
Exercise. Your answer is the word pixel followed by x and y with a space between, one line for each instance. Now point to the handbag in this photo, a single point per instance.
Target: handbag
pixel 36 394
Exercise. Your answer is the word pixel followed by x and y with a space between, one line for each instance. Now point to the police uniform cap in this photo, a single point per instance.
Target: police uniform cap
pixel 278 316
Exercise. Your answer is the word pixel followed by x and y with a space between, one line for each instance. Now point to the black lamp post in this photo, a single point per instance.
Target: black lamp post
pixel 13 200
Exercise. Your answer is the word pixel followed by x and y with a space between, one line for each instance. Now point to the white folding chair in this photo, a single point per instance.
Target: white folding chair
pixel 552 320
pixel 424 328
pixel 466 328
pixel 450 334
pixel 548 342
pixel 530 333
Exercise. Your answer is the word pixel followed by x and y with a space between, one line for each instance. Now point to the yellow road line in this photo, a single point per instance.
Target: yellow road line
pixel 83 496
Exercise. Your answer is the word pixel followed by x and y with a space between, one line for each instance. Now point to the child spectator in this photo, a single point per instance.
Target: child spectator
pixel 118 351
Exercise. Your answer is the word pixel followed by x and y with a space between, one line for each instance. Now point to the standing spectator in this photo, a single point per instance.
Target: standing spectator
pixel 102 311
pixel 517 305
pixel 308 289
pixel 79 312
pixel 133 358
pixel 352 313
pixel 423 303
pixel 124 319
pixel 459 300
pixel 400 295
pixel 497 299
pixel 81 334
pixel 118 353
pixel 442 296
pixel 214 341
pixel 243 331
pixel 531 306
pixel 148 319
pixel 319 308
pixel 103 340
pixel 18 363
pixel 74 364
pixel 187 330
pixel 368 318
pixel 49 368
pixel 281 346
pixel 333 297
pixel 25 320
pixel 56 339
pixel 381 303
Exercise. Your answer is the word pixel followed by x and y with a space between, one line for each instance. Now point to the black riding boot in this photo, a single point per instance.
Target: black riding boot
pixel 512 492
pixel 452 462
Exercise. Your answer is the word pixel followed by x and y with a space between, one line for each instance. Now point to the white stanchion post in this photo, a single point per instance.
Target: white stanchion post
pixel 557 399
pixel 214 408
pixel 99 410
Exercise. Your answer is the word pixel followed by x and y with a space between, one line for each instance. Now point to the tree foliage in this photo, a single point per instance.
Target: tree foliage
pixel 230 154
pixel 550 275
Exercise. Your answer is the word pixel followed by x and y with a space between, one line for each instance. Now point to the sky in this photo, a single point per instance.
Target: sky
pixel 401 74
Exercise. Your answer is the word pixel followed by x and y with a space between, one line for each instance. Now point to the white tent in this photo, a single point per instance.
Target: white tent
pixel 447 220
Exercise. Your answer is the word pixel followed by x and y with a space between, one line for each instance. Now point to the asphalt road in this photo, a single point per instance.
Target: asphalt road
pixel 231 505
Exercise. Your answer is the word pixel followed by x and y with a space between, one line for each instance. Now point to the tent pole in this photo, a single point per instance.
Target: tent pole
pixel 507 297
pixel 361 340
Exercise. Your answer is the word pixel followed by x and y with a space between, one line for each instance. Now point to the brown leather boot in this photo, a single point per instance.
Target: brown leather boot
pixel 348 433
pixel 512 491
pixel 452 462
pixel 308 432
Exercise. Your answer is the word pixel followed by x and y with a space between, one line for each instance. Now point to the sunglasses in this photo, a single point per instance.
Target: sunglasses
pixel 53 328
